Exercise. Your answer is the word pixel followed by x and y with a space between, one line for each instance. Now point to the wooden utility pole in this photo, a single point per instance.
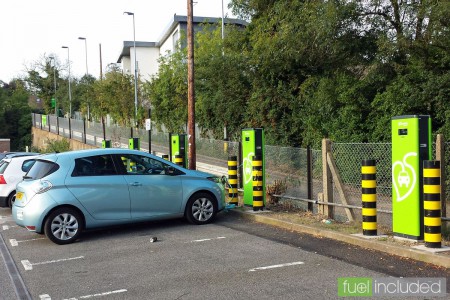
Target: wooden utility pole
pixel 101 78
pixel 191 91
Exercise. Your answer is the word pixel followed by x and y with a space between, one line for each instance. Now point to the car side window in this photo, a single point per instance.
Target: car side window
pixel 99 165
pixel 142 165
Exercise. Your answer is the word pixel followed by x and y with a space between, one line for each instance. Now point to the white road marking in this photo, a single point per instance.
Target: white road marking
pixel 45 297
pixel 277 266
pixel 99 294
pixel 15 242
pixel 29 266
pixel 204 240
pixel 6 227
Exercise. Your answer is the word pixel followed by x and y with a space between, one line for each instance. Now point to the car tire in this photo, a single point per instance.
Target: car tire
pixel 63 225
pixel 11 199
pixel 201 209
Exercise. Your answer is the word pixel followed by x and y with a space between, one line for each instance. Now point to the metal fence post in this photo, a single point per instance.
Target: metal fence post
pixel 325 209
pixel 440 156
pixel 70 129
pixel 309 175
pixel 84 131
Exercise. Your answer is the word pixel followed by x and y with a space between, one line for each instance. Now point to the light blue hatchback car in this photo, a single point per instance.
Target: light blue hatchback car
pixel 66 193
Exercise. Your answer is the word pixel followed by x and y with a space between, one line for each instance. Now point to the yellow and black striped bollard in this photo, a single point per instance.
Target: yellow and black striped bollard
pixel 369 197
pixel 179 160
pixel 232 180
pixel 432 203
pixel 165 156
pixel 257 176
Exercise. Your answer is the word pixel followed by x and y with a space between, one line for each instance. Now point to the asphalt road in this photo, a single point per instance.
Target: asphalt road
pixel 229 259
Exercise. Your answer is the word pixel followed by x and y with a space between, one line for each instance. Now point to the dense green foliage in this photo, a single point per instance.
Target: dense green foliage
pixel 15 115
pixel 302 69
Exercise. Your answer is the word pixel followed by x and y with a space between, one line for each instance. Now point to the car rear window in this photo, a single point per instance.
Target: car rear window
pixel 3 166
pixel 41 168
pixel 26 165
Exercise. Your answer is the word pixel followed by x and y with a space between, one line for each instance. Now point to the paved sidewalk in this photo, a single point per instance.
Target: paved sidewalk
pixel 387 245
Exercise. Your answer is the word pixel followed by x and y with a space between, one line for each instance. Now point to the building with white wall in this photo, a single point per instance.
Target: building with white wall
pixel 148 53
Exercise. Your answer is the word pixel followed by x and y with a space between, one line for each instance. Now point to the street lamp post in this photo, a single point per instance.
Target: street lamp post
pixel 87 72
pixel 85 48
pixel 54 82
pixel 135 69
pixel 70 92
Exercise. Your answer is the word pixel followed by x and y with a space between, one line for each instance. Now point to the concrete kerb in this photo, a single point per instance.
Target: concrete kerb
pixel 407 252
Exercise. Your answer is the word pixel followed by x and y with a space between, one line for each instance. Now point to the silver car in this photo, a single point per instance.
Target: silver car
pixel 65 193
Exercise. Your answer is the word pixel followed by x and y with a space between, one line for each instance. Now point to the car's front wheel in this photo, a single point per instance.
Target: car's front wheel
pixel 63 225
pixel 201 209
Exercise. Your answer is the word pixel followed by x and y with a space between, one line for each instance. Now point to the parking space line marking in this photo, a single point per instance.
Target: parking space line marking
pixel 99 294
pixel 6 227
pixel 29 266
pixel 204 240
pixel 277 266
pixel 15 242
pixel 45 297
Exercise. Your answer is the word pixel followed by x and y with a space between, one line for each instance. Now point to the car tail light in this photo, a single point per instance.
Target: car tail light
pixel 2 179
pixel 42 186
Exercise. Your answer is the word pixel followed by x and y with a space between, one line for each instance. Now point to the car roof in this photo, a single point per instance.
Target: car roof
pixel 17 154
pixel 90 152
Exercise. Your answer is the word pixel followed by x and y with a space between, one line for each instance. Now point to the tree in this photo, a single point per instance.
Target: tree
pixel 222 86
pixel 15 114
pixel 168 92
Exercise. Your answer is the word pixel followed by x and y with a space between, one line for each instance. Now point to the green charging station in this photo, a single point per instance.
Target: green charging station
pixel 106 143
pixel 252 145
pixel 179 146
pixel 134 143
pixel 411 145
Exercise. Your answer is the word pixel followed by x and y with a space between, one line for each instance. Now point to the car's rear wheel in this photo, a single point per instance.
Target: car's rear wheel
pixel 201 209
pixel 63 225
pixel 11 199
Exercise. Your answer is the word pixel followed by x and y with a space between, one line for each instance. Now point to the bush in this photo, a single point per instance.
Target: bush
pixel 56 146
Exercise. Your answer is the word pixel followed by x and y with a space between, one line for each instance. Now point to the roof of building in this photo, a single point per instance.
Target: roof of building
pixel 169 29
pixel 127 45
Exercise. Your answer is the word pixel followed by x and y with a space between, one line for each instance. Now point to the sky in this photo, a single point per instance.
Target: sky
pixel 32 29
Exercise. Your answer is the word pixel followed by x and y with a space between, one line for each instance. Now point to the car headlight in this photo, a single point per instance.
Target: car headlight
pixel 214 179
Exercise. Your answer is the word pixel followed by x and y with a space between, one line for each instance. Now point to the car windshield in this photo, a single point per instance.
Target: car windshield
pixel 41 168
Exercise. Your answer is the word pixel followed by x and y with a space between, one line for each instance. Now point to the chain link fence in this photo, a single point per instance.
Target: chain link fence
pixel 284 164
pixel 348 158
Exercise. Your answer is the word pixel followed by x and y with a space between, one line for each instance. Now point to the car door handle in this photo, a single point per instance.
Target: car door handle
pixel 136 184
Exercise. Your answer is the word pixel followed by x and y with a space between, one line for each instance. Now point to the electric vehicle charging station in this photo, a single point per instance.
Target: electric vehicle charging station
pixel 106 143
pixel 252 145
pixel 411 145
pixel 134 143
pixel 178 146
